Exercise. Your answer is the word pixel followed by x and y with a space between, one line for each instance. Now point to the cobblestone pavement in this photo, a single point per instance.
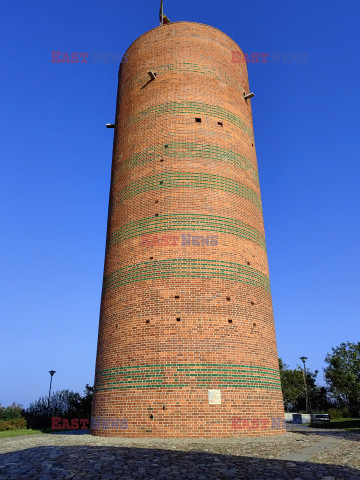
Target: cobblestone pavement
pixel 303 454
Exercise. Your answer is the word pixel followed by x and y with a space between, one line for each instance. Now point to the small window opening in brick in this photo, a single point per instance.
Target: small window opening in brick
pixel 117 326
pixel 151 258
pixel 166 146
pixel 156 214
pixel 147 321
pixel 248 263
pixel 151 416
pixel 198 119
pixel 230 321
pixel 220 124
pixel 252 303
pixel 177 296
pixel 156 201
pixel 161 159
pixel 164 407
pixel 178 319
pixel 228 299
pixel 252 144
pixel 161 183
pixel 254 324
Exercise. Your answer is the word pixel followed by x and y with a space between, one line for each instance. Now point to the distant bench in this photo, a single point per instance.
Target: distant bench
pixel 321 417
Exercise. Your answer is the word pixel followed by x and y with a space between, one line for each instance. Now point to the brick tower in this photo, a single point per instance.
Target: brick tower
pixel 186 342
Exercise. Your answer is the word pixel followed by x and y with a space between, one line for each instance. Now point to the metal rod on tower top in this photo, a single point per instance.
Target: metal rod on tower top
pixel 161 13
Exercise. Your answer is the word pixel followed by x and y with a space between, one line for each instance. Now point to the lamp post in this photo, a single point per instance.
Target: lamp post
pixel 52 372
pixel 308 407
pixel 46 418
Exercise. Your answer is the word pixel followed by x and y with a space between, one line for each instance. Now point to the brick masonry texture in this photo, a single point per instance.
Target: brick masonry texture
pixel 186 302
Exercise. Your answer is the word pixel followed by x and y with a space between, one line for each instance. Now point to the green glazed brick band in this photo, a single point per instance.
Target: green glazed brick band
pixel 186 268
pixel 187 150
pixel 192 108
pixel 203 223
pixel 188 180
pixel 174 375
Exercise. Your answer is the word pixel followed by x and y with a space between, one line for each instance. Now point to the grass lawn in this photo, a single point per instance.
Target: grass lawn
pixel 16 433
pixel 348 424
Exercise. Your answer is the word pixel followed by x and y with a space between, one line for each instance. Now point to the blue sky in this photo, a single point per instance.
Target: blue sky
pixel 56 158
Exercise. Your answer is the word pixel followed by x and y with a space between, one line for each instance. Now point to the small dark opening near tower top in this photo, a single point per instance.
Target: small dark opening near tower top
pixel 248 263
pixel 156 214
pixel 228 299
pixel 166 146
pixel 220 123
pixel 178 319
pixel 147 321
pixel 254 324
pixel 177 296
pixel 156 201
pixel 151 258
pixel 161 183
pixel 151 416
pixel 230 321
pixel 252 303
pixel 198 119
pixel 164 407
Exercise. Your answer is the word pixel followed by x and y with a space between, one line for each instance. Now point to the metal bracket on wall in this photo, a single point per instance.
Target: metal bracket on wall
pixel 110 125
pixel 249 95
pixel 152 75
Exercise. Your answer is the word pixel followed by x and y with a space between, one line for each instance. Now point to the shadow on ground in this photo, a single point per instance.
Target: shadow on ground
pixel 111 463
pixel 353 436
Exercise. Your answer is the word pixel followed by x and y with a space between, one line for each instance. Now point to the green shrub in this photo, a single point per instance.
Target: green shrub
pixel 337 413
pixel 14 424
pixel 11 412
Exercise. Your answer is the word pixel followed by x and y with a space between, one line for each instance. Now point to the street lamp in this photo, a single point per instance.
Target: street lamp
pixel 308 407
pixel 52 372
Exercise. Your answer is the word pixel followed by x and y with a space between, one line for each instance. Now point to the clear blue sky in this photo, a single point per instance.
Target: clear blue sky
pixel 56 156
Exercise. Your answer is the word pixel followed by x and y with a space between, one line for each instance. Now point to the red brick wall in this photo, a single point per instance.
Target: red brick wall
pixel 186 304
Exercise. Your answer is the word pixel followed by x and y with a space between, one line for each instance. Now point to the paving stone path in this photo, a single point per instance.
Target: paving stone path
pixel 303 454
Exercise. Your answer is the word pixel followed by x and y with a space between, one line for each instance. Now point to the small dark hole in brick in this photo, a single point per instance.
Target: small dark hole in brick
pixel 177 296
pixel 254 324
pixel 151 416
pixel 178 319
pixel 220 123
pixel 252 303
pixel 156 201
pixel 230 321
pixel 252 144
pixel 161 159
pixel 166 146
pixel 161 183
pixel 156 214
pixel 151 258
pixel 248 263
pixel 198 120
pixel 116 326
pixel 164 407
pixel 228 299
pixel 147 321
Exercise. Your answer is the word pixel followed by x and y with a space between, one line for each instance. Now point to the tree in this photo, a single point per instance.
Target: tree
pixel 342 375
pixel 82 404
pixel 10 413
pixel 63 403
pixel 292 384
pixel 294 393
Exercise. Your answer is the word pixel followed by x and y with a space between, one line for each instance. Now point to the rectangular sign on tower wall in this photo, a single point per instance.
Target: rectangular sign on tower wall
pixel 214 397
